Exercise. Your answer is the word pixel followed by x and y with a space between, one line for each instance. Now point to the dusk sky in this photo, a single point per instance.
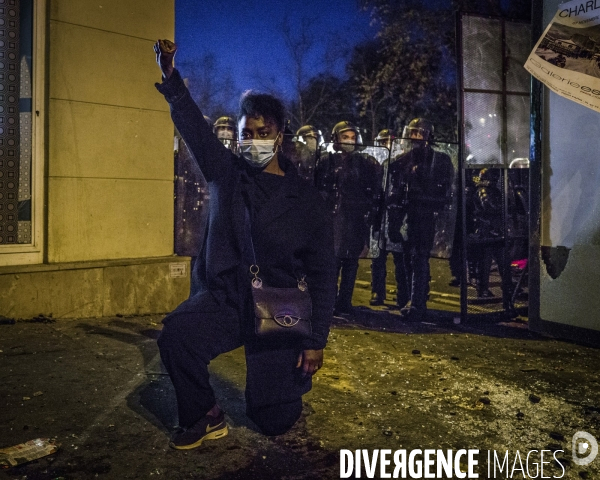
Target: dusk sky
pixel 246 36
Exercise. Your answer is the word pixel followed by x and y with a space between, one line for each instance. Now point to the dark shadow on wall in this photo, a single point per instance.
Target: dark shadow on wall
pixel 555 259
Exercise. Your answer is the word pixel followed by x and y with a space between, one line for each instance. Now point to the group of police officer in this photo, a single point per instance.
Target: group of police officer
pixel 383 200
pixel 394 201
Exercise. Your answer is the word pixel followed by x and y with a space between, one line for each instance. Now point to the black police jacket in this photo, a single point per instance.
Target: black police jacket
pixel 350 184
pixel 292 234
pixel 419 185
pixel 428 176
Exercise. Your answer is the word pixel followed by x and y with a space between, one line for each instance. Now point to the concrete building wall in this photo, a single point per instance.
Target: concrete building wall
pixel 109 169
pixel 93 289
pixel 570 223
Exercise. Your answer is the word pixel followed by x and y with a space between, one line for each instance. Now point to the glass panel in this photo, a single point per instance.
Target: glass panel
pixel 495 238
pixel 483 128
pixel 482 53
pixel 518 47
pixel 517 127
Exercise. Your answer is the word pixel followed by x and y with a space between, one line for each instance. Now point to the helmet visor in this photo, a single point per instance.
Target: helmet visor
pixel 225 132
pixel 411 133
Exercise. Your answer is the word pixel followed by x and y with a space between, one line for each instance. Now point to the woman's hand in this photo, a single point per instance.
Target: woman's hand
pixel 165 51
pixel 310 361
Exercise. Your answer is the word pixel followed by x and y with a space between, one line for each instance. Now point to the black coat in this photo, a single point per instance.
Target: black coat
pixel 292 233
pixel 423 179
pixel 349 183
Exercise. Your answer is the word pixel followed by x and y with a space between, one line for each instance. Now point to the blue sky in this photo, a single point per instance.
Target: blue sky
pixel 246 36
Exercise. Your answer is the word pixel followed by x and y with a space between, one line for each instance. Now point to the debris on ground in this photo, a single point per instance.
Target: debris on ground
pixel 27 452
pixel 6 321
pixel 41 319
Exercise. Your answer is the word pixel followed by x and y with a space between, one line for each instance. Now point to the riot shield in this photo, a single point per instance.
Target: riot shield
pixel 518 231
pixel 351 184
pixel 447 217
pixel 394 205
pixel 301 155
pixel 397 149
pixel 382 155
pixel 396 200
pixel 230 144
pixel 379 153
pixel 191 202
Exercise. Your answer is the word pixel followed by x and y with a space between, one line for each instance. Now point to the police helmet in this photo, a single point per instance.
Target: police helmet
pixel 226 122
pixel 421 127
pixel 489 176
pixel 309 131
pixel 225 129
pixel 384 138
pixel 344 126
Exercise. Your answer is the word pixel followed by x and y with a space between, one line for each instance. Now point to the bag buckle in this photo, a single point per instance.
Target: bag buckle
pixel 287 321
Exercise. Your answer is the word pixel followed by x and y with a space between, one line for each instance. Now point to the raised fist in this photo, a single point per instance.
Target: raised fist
pixel 165 52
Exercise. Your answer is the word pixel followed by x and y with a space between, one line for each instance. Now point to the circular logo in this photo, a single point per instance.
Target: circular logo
pixel 286 320
pixel 584 444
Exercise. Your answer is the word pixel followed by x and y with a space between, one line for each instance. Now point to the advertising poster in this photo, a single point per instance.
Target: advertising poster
pixel 567 56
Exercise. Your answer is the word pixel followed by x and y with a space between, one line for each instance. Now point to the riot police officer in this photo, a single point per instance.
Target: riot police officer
pixel 302 151
pixel 310 136
pixel 226 130
pixel 420 181
pixel 384 138
pixel 378 264
pixel 350 182
pixel 488 236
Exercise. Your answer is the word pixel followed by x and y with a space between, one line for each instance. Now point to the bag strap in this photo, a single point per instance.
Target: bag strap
pixel 248 231
pixel 254 269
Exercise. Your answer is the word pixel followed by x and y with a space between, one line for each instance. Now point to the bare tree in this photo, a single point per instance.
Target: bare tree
pixel 299 44
pixel 329 100
pixel 366 73
pixel 310 91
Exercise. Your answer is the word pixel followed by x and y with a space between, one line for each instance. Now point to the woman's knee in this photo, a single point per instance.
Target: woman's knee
pixel 175 333
pixel 276 419
pixel 166 336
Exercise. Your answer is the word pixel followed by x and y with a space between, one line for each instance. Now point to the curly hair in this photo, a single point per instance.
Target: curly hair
pixel 255 104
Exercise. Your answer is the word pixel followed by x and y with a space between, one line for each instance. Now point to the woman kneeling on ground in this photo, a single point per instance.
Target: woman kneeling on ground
pixel 261 212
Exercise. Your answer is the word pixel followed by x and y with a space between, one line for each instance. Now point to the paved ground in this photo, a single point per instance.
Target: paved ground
pixel 97 387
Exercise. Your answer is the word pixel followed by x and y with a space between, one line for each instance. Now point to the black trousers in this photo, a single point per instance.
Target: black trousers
pixel 379 274
pixel 190 339
pixel 421 235
pixel 347 268
pixel 419 259
pixel 497 252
